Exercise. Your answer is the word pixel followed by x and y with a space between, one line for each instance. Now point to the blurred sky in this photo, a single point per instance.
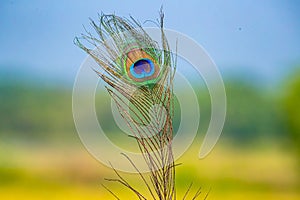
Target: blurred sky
pixel 258 39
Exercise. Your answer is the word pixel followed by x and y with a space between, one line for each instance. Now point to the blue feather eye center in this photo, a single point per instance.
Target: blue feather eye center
pixel 142 68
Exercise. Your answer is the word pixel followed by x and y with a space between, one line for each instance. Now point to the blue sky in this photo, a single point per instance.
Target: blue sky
pixel 256 39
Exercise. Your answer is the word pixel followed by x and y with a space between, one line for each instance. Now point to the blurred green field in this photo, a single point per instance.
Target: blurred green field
pixel 69 172
pixel 41 156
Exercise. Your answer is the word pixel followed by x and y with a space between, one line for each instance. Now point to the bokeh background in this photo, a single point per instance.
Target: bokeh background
pixel 256 46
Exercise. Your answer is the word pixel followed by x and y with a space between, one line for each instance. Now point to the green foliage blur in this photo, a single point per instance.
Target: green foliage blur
pixel 30 112
pixel 45 113
pixel 40 151
pixel 291 109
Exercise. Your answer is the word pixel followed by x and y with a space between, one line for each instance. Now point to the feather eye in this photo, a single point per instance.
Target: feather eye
pixel 140 67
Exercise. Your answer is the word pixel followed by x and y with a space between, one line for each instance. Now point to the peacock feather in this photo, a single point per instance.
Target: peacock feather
pixel 139 73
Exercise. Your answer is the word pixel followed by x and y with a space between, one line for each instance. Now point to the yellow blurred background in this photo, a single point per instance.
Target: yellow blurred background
pixel 41 156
